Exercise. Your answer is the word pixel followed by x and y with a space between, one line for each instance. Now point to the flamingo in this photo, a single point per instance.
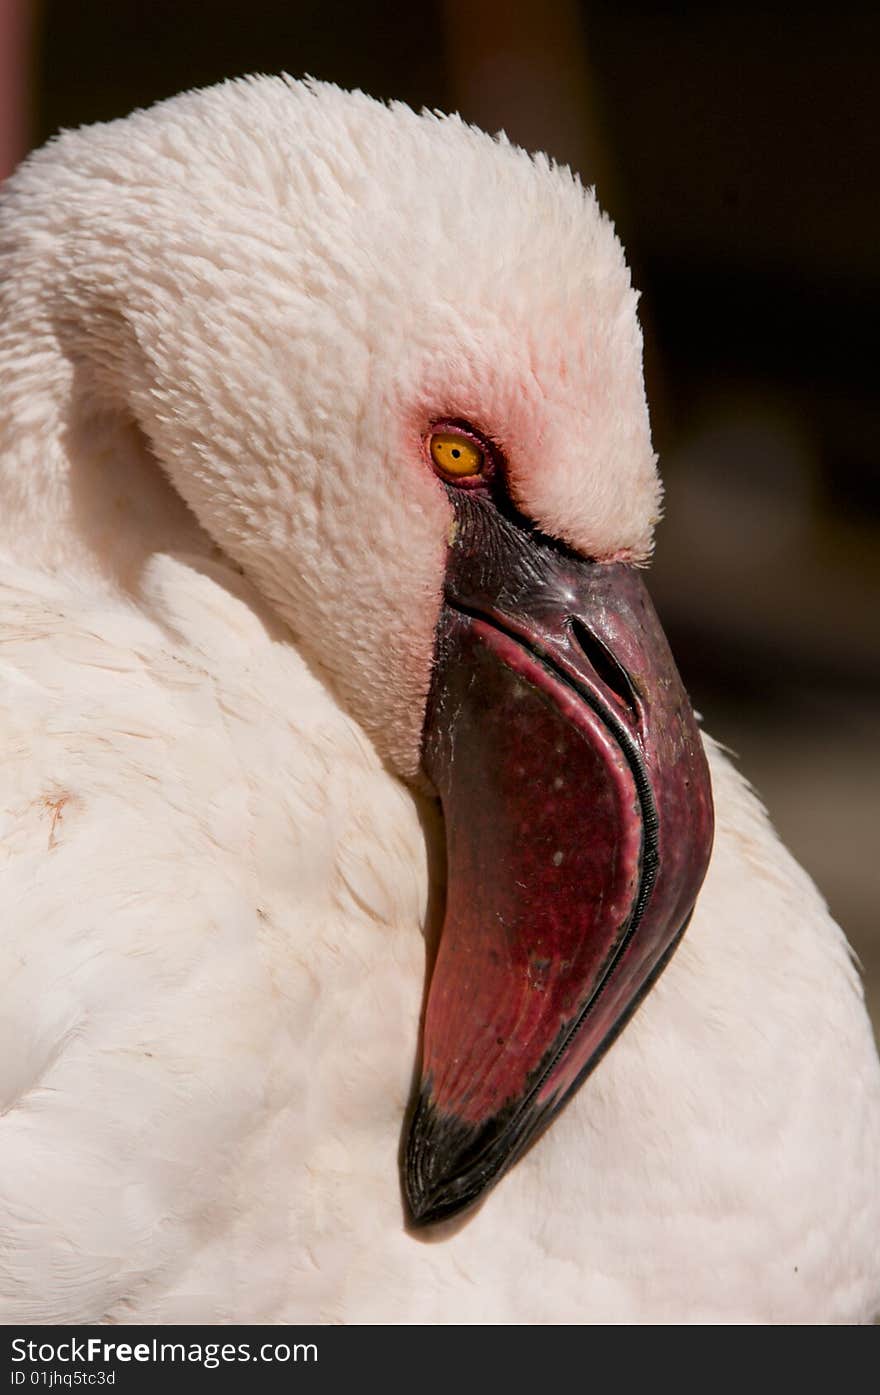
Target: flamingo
pixel 367 952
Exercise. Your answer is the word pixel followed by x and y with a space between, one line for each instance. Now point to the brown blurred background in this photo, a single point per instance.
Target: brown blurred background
pixel 735 146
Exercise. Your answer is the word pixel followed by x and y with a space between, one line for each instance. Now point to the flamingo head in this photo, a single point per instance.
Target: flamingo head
pixel 394 368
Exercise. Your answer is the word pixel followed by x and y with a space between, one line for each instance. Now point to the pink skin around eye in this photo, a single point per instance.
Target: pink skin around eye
pixel 456 428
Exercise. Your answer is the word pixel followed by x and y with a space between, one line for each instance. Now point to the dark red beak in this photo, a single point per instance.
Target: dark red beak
pixel 578 818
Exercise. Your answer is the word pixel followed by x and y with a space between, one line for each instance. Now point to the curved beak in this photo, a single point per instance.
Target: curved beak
pixel 579 822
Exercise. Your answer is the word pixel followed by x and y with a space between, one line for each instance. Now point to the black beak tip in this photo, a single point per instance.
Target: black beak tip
pixel 425 1208
pixel 448 1164
pixel 431 1203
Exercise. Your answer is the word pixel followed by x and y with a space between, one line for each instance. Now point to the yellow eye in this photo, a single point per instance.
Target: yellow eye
pixel 456 455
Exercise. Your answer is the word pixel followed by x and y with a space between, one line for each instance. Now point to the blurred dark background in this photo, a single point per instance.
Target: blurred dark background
pixel 736 147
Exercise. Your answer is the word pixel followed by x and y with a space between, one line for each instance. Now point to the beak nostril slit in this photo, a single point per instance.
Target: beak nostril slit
pixel 611 673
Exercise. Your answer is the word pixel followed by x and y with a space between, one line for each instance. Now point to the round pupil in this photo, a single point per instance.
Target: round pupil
pixel 456 453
